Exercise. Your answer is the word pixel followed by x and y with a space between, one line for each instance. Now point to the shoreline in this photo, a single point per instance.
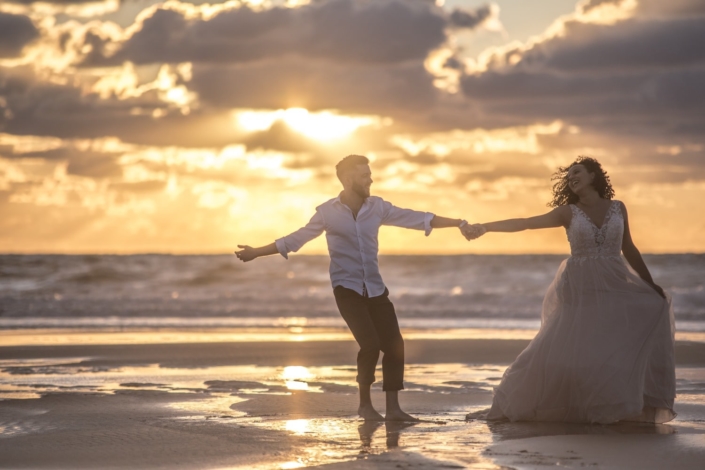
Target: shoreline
pixel 340 350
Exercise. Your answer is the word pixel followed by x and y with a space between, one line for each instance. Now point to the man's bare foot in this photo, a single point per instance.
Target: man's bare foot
pixel 368 413
pixel 399 415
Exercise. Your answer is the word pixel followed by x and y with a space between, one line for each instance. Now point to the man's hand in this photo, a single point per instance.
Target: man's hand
pixel 246 254
pixel 471 232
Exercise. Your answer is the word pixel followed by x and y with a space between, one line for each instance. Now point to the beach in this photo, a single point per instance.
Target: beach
pixel 157 361
pixel 102 403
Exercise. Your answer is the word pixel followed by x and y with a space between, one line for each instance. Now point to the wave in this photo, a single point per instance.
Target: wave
pixel 452 287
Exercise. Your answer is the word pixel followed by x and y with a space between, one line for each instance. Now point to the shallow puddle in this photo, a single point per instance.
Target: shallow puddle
pixel 29 378
pixel 446 391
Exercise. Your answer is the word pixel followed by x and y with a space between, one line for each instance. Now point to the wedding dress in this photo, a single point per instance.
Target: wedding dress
pixel 605 349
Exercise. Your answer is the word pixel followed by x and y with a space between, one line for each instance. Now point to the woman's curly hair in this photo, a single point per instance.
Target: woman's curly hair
pixel 562 193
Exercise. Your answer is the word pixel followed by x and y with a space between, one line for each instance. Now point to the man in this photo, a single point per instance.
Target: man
pixel 351 222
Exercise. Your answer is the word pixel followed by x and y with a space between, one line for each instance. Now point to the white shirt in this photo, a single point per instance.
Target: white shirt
pixel 352 243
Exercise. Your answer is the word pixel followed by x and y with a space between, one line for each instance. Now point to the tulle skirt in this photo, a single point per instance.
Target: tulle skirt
pixel 604 352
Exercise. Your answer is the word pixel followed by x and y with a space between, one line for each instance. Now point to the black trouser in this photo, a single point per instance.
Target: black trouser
pixel 374 325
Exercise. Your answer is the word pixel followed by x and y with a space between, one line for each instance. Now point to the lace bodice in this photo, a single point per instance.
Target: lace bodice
pixel 586 240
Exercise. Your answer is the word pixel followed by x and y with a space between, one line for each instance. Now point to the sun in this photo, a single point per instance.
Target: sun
pixel 322 125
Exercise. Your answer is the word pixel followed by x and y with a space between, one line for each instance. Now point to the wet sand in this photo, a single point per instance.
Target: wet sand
pixel 291 404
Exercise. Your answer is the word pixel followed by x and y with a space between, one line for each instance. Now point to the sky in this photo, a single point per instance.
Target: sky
pixel 132 126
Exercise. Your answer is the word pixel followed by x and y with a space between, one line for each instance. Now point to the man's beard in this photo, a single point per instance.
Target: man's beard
pixel 360 191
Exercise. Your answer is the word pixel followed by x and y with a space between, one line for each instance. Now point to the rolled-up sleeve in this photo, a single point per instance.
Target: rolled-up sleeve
pixel 294 241
pixel 406 218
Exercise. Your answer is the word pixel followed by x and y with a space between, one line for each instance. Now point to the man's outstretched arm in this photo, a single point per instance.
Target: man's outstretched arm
pixel 247 253
pixel 408 218
pixel 285 245
pixel 445 222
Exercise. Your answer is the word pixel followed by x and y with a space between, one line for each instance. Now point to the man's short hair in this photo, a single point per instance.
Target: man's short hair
pixel 348 163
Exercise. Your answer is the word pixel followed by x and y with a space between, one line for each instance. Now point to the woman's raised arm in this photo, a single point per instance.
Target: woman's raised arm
pixel 558 217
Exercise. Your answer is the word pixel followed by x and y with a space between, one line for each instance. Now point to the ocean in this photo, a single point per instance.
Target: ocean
pixel 219 291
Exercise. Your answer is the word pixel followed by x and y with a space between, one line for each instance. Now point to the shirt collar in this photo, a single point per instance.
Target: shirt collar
pixel 338 201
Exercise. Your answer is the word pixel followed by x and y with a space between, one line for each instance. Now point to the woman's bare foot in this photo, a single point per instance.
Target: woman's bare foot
pixel 368 413
pixel 399 415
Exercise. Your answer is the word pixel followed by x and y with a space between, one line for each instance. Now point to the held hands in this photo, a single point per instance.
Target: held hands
pixel 246 254
pixel 471 232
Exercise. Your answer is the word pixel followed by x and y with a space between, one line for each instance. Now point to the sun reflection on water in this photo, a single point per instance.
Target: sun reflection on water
pixel 295 377
pixel 292 332
pixel 297 426
pixel 296 385
pixel 296 373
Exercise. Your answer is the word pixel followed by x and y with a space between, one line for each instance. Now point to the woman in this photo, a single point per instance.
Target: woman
pixel 605 349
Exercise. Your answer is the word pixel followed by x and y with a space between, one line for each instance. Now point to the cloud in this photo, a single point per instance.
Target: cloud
pixel 95 165
pixel 16 31
pixel 638 75
pixel 94 159
pixel 460 18
pixel 32 106
pixel 280 137
pixel 352 56
pixel 384 31
pixel 630 45
pixel 72 8
pixel 291 83
pixel 82 163
pixel 657 8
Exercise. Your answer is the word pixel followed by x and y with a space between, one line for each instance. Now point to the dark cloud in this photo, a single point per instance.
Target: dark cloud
pixel 657 8
pixel 353 56
pixel 384 31
pixel 93 164
pixel 83 163
pixel 592 4
pixel 460 18
pixel 200 129
pixel 454 63
pixel 16 31
pixel 665 95
pixel 519 86
pixel 670 8
pixel 29 106
pixel 631 87
pixel 45 109
pixel 662 104
pixel 637 77
pixel 630 45
pixel 290 83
